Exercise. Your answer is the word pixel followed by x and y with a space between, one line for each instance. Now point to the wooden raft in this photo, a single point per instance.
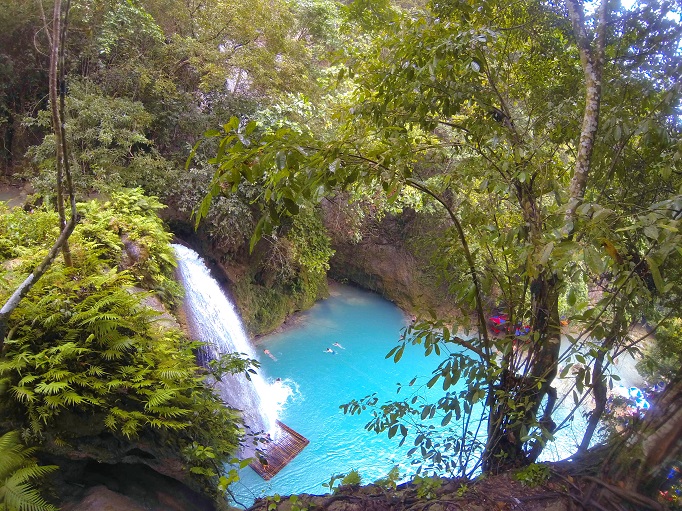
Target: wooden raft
pixel 277 453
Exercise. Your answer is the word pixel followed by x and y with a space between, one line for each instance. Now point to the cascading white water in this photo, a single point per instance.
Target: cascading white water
pixel 214 320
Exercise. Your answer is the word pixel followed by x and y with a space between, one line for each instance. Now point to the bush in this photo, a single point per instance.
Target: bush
pixel 84 351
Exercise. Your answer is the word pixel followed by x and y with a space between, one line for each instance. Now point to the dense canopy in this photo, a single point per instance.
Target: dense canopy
pixel 529 154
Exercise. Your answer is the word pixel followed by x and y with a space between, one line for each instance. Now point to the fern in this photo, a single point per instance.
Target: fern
pixel 58 375
pixel 169 412
pixel 95 370
pixel 83 343
pixel 50 388
pixel 23 394
pixel 174 373
pixel 160 396
pixel 29 378
pixel 17 470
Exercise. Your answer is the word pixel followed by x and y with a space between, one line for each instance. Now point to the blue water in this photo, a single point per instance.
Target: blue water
pixel 367 326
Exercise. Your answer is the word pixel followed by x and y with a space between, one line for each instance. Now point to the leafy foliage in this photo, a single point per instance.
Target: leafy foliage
pixel 461 105
pixel 427 487
pixel 390 481
pixel 131 236
pixel 351 478
pixel 289 273
pixel 18 473
pixel 108 138
pixel 85 346
pixel 661 356
pixel 533 475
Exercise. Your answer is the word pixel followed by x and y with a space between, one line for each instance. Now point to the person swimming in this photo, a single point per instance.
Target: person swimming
pixel 329 350
pixel 267 352
pixel 338 345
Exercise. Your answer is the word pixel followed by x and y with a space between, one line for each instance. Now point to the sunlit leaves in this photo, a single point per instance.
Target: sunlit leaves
pixel 85 342
pixel 484 117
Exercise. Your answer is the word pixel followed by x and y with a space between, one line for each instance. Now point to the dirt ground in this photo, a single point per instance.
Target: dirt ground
pixel 499 493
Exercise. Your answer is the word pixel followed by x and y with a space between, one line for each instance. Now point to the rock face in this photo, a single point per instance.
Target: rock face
pixel 387 254
pixel 130 487
pixel 388 270
pixel 101 498
pixel 389 258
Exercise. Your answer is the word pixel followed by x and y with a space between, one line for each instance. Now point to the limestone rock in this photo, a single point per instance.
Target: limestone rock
pixel 101 498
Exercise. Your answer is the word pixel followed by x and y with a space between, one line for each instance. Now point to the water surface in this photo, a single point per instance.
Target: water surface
pixel 367 327
pixel 318 382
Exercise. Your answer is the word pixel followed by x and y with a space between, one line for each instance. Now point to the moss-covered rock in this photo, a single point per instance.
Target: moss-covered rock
pixel 390 254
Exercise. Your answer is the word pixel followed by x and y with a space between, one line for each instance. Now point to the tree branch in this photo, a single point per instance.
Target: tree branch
pixel 592 61
pixel 56 53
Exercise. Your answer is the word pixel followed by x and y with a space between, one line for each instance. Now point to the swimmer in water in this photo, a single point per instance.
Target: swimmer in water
pixel 267 352
pixel 339 346
pixel 329 350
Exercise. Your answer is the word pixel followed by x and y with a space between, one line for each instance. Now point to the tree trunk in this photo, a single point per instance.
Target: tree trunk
pixel 66 227
pixel 642 464
pixel 526 382
pixel 592 61
pixel 57 121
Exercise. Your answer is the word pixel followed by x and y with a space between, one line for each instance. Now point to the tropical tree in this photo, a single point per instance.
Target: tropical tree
pixel 63 184
pixel 533 127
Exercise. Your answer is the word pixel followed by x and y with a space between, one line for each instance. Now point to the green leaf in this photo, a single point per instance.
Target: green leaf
pixel 546 253
pixel 656 274
pixel 593 260
pixel 250 128
pixel 257 234
pixel 281 160
pixel 446 420
pixel 651 232
pixel 399 354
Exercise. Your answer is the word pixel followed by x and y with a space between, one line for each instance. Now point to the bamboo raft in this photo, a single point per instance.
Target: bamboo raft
pixel 277 453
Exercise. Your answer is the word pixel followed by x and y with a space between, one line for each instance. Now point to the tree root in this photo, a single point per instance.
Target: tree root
pixel 627 495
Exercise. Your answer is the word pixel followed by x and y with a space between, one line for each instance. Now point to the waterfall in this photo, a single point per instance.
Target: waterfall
pixel 213 319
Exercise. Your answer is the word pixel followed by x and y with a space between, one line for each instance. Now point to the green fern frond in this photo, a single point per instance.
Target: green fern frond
pixel 60 442
pixel 58 375
pixel 122 344
pixel 142 383
pixel 36 427
pixel 53 319
pixel 172 412
pixel 65 399
pixel 160 396
pixel 31 470
pixel 112 355
pixel 17 469
pixel 168 424
pixel 51 388
pixel 29 378
pixel 65 351
pixel 131 428
pixel 16 364
pixel 174 373
pixel 110 422
pixel 95 370
pixel 116 384
pixel 23 497
pixel 23 394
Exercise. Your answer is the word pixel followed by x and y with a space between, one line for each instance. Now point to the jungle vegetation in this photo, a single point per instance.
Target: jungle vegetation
pixel 542 139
